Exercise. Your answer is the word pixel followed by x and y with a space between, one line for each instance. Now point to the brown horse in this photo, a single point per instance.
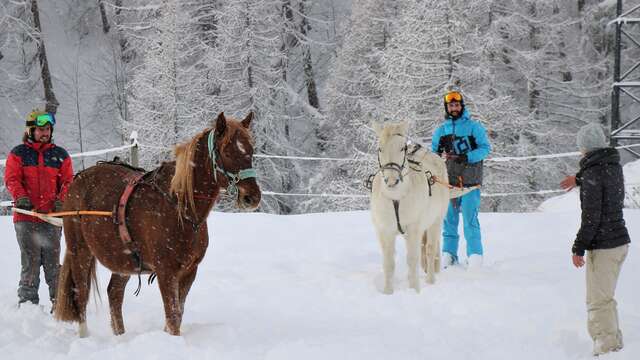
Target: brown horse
pixel 165 217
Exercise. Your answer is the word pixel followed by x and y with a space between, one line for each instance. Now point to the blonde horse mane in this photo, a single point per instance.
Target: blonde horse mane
pixel 182 181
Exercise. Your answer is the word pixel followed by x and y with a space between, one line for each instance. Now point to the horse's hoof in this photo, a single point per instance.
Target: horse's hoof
pixel 171 332
pixel 388 290
pixel 431 279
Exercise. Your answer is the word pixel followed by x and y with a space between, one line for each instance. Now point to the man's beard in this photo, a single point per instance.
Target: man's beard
pixel 44 139
pixel 455 114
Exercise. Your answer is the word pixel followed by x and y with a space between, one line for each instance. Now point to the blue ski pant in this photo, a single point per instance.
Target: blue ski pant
pixel 469 205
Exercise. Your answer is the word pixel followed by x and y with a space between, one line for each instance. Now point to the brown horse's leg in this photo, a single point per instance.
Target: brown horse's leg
pixel 74 280
pixel 82 269
pixel 169 288
pixel 185 286
pixel 115 291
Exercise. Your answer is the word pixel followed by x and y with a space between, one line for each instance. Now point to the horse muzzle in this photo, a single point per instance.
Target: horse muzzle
pixel 392 181
pixel 249 196
pixel 392 174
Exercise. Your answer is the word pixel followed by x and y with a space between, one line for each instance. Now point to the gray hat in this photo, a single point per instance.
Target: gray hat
pixel 591 137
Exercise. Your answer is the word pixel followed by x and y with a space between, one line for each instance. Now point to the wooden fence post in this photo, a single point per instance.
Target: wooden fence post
pixel 134 149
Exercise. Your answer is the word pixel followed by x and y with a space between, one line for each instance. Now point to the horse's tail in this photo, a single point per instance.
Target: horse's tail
pixel 66 308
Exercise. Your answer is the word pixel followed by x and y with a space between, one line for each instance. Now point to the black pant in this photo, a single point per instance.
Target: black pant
pixel 39 246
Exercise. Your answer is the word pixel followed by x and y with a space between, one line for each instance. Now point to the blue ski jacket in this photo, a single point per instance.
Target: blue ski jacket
pixel 462 136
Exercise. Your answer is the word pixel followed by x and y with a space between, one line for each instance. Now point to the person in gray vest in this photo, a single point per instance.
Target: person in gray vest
pixel 603 234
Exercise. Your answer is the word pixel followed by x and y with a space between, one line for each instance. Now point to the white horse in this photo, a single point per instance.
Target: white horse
pixel 406 200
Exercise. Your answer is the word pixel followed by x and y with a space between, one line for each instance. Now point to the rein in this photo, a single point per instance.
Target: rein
pixel 233 178
pixel 396 208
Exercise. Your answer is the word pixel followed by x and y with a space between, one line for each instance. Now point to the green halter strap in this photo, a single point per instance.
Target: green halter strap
pixel 233 178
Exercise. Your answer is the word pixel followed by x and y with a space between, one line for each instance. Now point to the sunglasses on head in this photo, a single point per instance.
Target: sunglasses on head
pixel 44 119
pixel 453 96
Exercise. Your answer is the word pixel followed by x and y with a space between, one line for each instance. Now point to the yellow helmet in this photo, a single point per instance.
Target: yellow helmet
pixel 32 121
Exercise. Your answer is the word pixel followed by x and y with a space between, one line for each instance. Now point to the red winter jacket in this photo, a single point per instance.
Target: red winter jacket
pixel 41 171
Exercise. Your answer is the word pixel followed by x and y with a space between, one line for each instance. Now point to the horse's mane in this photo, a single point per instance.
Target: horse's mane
pixel 182 181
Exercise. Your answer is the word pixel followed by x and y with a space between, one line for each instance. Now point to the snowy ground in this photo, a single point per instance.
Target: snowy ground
pixel 308 287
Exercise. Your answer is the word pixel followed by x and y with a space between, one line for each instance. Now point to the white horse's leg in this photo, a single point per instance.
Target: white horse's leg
pixel 431 255
pixel 83 330
pixel 437 244
pixel 413 239
pixel 387 243
pixel 423 252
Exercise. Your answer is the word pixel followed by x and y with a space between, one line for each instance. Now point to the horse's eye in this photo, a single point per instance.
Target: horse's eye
pixel 379 150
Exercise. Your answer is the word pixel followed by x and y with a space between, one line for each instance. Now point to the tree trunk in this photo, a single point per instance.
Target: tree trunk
pixel 287 42
pixel 580 6
pixel 249 68
pixel 50 97
pixel 533 92
pixel 125 54
pixel 309 80
pixel 103 15
pixel 209 25
pixel 453 79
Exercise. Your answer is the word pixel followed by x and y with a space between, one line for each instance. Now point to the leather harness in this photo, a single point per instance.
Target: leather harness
pixel 132 179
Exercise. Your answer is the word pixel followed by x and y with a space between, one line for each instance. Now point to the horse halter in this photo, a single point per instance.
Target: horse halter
pixel 233 178
pixel 392 165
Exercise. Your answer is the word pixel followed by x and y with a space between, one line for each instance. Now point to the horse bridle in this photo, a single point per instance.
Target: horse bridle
pixel 392 165
pixel 233 178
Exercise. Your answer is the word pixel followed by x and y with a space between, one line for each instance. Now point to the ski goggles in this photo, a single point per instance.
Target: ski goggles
pixel 453 96
pixel 42 120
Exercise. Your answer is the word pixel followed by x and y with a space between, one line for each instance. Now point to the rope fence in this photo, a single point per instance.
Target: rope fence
pixel 495 159
pixel 135 143
pixel 542 192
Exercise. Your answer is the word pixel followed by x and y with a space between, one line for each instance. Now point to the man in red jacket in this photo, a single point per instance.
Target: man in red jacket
pixel 37 174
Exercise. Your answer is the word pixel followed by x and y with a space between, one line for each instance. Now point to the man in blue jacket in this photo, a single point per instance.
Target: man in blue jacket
pixel 464 144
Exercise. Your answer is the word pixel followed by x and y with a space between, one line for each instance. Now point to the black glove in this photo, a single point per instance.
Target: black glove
pixel 461 159
pixel 57 206
pixel 23 203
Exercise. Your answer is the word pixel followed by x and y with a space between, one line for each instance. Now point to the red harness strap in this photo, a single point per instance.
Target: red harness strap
pixel 132 179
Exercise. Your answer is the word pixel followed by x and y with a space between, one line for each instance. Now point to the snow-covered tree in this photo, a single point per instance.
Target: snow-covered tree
pixel 353 102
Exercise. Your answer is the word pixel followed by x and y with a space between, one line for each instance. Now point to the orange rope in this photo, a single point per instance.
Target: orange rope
pixel 80 212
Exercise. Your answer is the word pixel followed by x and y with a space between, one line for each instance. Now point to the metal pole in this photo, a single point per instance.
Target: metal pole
pixel 615 95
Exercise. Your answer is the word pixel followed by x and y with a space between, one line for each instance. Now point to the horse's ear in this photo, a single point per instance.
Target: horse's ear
pixel 377 127
pixel 246 123
pixel 221 124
